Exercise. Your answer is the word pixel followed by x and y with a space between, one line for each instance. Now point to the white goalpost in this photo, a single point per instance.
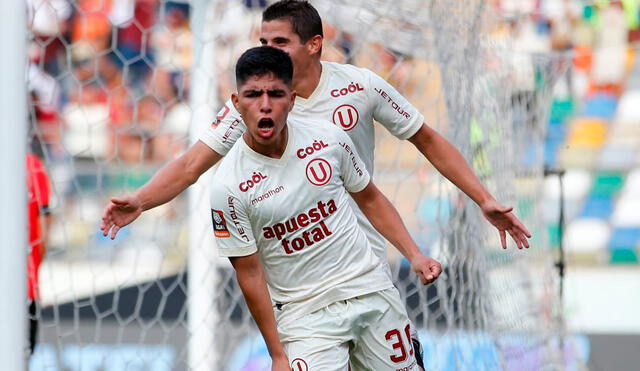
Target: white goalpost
pixel 13 188
pixel 118 88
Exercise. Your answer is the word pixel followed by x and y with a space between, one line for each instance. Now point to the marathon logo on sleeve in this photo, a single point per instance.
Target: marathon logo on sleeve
pixel 219 224
pixel 351 88
pixel 314 217
pixel 316 146
pixel 352 156
pixel 393 104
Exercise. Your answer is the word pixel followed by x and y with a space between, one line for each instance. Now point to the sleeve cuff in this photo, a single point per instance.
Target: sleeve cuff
pixel 237 251
pixel 412 129
pixel 360 185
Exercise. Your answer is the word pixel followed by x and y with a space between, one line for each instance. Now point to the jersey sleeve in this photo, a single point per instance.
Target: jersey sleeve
pixel 392 110
pixel 225 130
pixel 231 226
pixel 352 170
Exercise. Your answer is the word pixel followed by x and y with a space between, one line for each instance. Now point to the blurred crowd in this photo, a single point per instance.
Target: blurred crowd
pixel 109 79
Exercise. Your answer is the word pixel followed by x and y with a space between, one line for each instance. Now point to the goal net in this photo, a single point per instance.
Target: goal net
pixel 118 88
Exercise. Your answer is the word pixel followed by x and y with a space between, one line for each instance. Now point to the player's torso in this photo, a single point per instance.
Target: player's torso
pixel 301 218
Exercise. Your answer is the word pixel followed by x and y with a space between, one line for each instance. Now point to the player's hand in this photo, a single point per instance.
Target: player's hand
pixel 503 218
pixel 426 268
pixel 280 363
pixel 120 212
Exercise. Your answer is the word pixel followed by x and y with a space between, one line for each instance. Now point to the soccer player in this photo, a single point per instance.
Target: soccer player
pixel 349 97
pixel 282 215
pixel 39 222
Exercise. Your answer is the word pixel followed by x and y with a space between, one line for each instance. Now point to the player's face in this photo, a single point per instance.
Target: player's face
pixel 264 103
pixel 279 34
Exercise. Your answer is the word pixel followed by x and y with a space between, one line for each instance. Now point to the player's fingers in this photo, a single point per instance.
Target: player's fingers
pixel 436 269
pixel 114 231
pixel 523 239
pixel 423 279
pixel 524 229
pixel 503 239
pixel 515 239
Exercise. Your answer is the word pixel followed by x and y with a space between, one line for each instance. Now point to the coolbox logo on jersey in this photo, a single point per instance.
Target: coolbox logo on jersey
pixel 352 88
pixel 316 214
pixel 317 145
pixel 319 171
pixel 219 224
pixel 394 105
pixel 346 116
pixel 250 183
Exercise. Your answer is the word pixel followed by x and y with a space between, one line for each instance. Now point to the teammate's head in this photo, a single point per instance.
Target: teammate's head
pixel 295 27
pixel 264 97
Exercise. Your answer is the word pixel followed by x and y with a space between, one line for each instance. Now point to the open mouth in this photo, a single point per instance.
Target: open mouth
pixel 265 127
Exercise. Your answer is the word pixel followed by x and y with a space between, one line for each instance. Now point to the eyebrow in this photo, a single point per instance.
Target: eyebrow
pixel 259 91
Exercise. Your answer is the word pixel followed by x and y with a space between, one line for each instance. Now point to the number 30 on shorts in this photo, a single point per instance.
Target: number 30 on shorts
pixel 399 345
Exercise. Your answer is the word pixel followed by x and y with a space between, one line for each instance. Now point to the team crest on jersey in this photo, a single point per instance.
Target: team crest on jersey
pixel 299 364
pixel 219 224
pixel 346 116
pixel 221 115
pixel 319 171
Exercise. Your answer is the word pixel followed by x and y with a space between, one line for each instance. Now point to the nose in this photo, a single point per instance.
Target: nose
pixel 265 103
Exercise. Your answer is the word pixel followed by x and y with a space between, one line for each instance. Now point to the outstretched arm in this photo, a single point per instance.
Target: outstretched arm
pixel 253 284
pixel 385 218
pixel 450 163
pixel 166 184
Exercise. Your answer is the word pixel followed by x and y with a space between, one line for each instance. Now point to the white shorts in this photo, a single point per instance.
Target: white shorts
pixel 369 332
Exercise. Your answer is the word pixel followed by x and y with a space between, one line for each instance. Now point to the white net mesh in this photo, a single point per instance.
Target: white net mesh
pixel 110 83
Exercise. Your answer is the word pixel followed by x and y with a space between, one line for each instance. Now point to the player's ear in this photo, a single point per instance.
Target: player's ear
pixel 293 99
pixel 234 100
pixel 314 45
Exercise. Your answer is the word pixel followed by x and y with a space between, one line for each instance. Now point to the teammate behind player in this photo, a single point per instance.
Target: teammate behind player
pixel 281 213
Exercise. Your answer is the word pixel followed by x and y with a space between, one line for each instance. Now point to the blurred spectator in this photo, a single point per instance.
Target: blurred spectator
pixel 90 28
pixel 171 137
pixel 133 41
pixel 172 41
pixel 45 100
pixel 48 21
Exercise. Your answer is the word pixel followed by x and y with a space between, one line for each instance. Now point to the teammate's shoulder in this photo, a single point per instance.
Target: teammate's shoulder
pixel 346 69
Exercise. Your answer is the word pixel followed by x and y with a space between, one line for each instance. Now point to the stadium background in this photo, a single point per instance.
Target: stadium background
pixel 109 83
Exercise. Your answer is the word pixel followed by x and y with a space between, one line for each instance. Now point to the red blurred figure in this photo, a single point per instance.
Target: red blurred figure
pixel 39 222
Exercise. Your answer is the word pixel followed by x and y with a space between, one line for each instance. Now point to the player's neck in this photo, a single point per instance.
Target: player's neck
pixel 274 149
pixel 307 79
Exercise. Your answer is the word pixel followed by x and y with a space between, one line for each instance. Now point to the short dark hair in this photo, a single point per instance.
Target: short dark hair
pixel 304 18
pixel 264 60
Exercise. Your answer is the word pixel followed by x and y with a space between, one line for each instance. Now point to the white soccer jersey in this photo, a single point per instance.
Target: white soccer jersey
pixel 350 97
pixel 294 211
